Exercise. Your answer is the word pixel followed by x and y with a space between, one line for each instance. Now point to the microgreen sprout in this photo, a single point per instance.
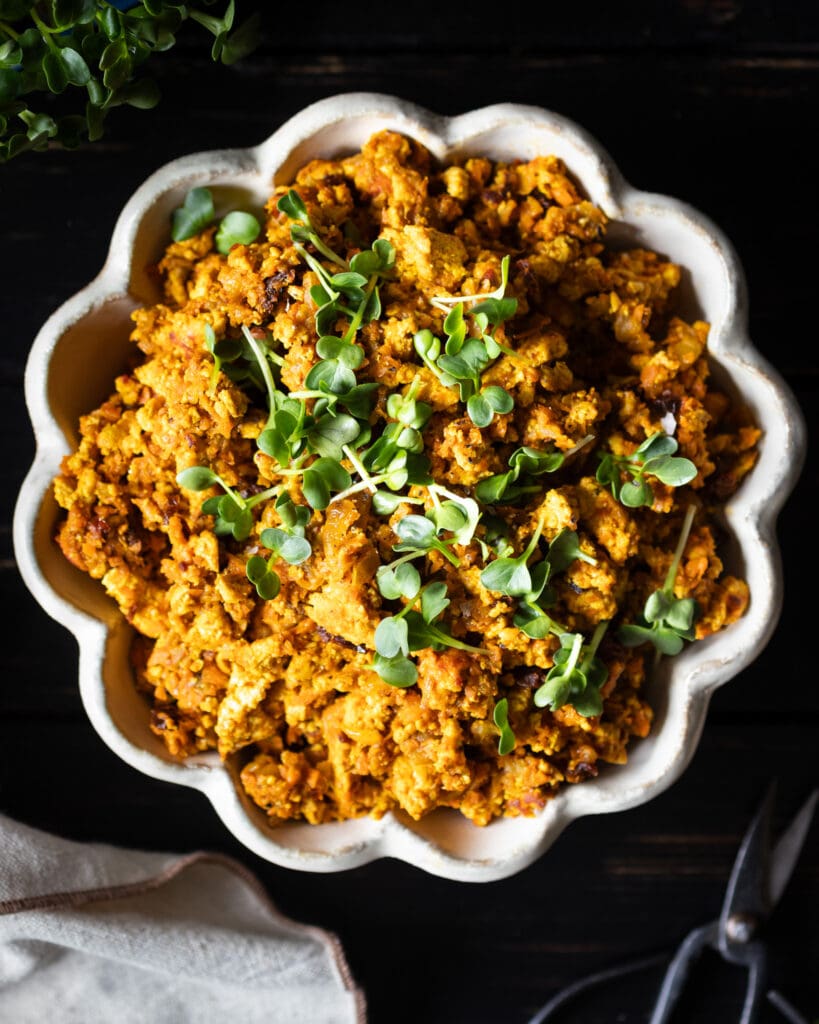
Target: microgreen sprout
pixel 531 617
pixel 444 302
pixel 263 576
pixel 321 478
pixel 457 514
pixel 524 464
pixel 413 628
pixel 464 357
pixel 352 292
pixel 237 228
pixel 428 348
pixel 511 576
pixel 396 458
pixel 464 369
pixel 654 457
pixel 294 518
pixel 419 534
pixel 666 621
pixel 232 511
pixel 302 230
pixel 288 540
pixel 196 213
pixel 576 676
pixel 92 54
pixel 495 536
pixel 193 216
pixel 500 716
pixel 263 357
pixel 288 543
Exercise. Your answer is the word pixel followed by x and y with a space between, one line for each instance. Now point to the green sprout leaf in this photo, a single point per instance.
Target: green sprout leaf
pixel 433 602
pixel 291 547
pixel 525 464
pixel 263 577
pixel 653 458
pixel 237 228
pixel 500 716
pixel 397 671
pixel 398 580
pixel 391 637
pixel 510 575
pixel 321 478
pixel 576 676
pixel 197 478
pixel 418 534
pixel 667 621
pixel 193 215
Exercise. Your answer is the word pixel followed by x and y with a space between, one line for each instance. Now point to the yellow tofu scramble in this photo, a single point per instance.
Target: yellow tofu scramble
pixel 405 493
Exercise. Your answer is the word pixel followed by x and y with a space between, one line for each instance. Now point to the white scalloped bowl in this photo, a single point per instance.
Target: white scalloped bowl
pixel 83 345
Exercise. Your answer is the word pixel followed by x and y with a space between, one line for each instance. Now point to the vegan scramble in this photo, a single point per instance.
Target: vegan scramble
pixel 405 492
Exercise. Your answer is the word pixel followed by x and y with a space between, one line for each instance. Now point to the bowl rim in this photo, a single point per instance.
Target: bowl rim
pixel 752 516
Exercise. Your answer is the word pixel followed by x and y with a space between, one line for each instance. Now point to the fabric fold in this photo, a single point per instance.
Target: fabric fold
pixel 93 933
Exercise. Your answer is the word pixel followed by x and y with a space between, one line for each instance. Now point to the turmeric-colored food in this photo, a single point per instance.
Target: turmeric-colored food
pixel 404 497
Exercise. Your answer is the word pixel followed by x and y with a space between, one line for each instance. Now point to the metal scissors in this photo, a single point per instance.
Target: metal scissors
pixel 758 879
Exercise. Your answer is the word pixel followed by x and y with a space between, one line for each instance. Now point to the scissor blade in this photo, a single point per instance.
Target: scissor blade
pixel 787 850
pixel 748 891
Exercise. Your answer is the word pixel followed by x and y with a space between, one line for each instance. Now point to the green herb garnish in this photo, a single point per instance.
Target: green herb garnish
pixel 464 369
pixel 197 212
pixel 263 576
pixel 410 629
pixel 418 534
pixel 352 293
pixel 666 621
pixel 194 215
pixel 500 716
pixel 232 511
pixel 237 228
pixel 654 457
pixel 576 676
pixel 464 357
pixel 524 465
pixel 511 576
pixel 287 543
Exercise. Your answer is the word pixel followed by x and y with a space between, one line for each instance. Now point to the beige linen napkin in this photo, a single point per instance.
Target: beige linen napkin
pixel 91 934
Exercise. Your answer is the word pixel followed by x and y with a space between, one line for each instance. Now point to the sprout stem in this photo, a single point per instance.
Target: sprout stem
pixel 264 366
pixel 668 586
pixel 359 468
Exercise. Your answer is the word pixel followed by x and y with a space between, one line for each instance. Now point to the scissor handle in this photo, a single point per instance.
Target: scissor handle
pixel 755 959
pixel 676 975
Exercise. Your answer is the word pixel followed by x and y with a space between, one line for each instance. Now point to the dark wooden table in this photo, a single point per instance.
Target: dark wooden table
pixel 714 102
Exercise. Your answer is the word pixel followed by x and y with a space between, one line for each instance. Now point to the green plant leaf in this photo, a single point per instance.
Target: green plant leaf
pixel 671 471
pixel 237 228
pixel 391 637
pixel 76 69
pixel 506 743
pixel 433 601
pixel 193 215
pixel 479 409
pixel 398 671
pixel 197 478
pixel 499 399
pixel 507 576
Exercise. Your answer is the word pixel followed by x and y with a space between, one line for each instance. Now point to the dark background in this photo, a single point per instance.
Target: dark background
pixel 713 102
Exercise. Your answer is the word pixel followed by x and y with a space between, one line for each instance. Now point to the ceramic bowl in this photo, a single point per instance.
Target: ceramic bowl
pixel 82 346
